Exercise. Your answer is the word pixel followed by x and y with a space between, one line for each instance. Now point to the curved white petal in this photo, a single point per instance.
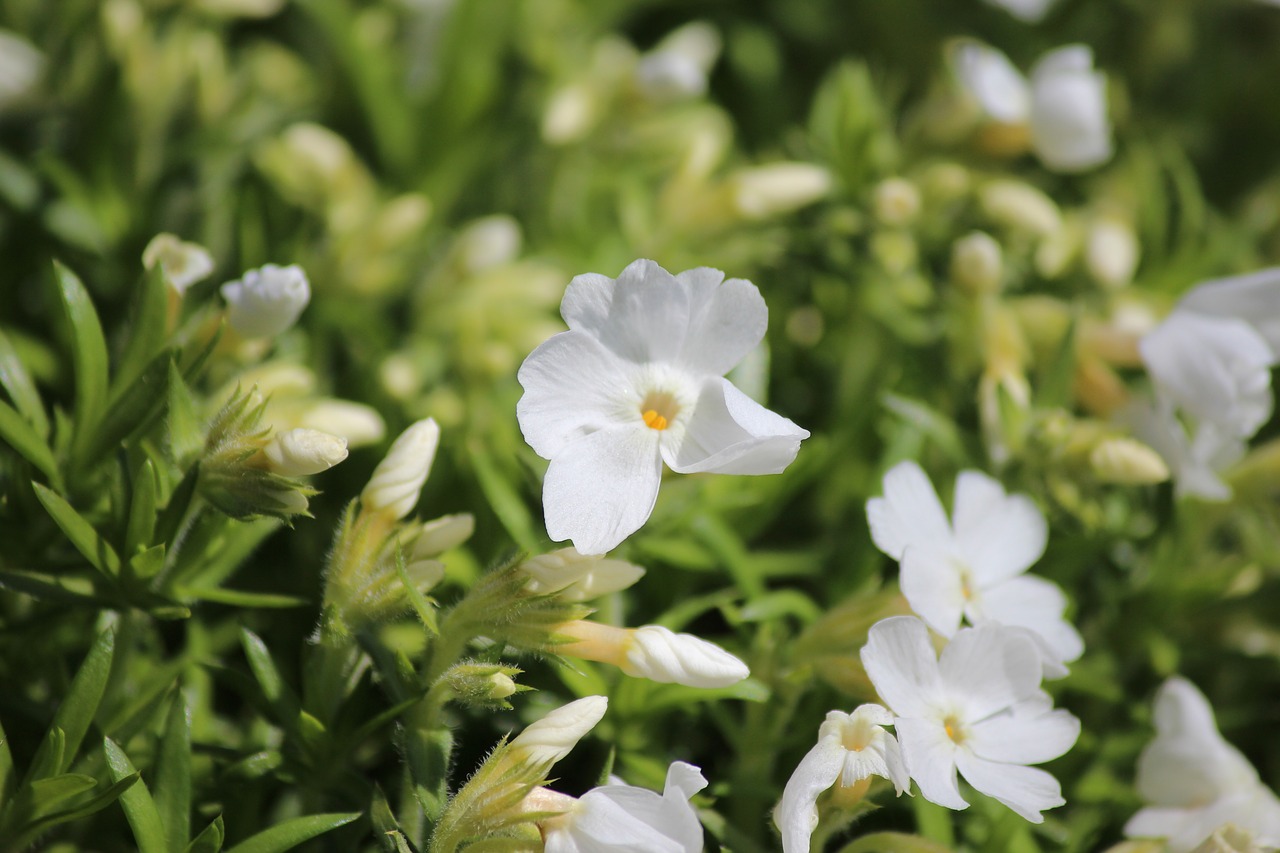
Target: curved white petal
pixel 601 487
pixel 900 661
pixel 998 87
pixel 1024 735
pixel 1035 604
pixel 1026 790
pixel 1000 535
pixel 931 759
pixel 1253 297
pixel 573 386
pixel 683 780
pixel 933 586
pixel 642 317
pixel 989 668
pixel 728 321
pixel 730 433
pixel 908 514
pixel 622 819
pixel 1070 130
pixel 797 813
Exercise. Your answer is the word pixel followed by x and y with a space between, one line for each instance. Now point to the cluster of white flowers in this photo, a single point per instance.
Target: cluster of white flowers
pixel 1210 364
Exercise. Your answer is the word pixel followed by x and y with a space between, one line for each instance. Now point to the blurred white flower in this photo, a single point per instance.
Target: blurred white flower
pixel 678 66
pixel 977 709
pixel 1194 780
pixel 300 452
pixel 182 263
pixel 266 301
pixel 973 566
pixel 397 482
pixel 1253 297
pixel 850 749
pixel 1194 461
pixel 21 65
pixel 618 818
pixel 1031 11
pixel 636 381
pixel 777 188
pixel 994 82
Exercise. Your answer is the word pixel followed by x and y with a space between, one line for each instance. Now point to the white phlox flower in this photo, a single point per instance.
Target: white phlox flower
pixel 1253 297
pixel 266 301
pixel 636 381
pixel 851 748
pixel 972 567
pixel 300 452
pixel 619 818
pixel 1195 460
pixel 1194 780
pixel 1063 106
pixel 977 709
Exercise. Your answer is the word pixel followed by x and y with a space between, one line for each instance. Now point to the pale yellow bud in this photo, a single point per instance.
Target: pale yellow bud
pixel 896 201
pixel 397 481
pixel 764 191
pixel 489 242
pixel 357 423
pixel 300 452
pixel 945 182
pixel 550 739
pixel 569 116
pixel 182 263
pixel 1111 252
pixel 977 263
pixel 502 686
pixel 1127 462
pixel 1019 206
pixel 443 534
pixel 423 575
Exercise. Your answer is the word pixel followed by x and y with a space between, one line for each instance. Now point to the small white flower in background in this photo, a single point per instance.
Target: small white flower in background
pixel 397 482
pixel 1063 106
pixel 973 566
pixel 1031 11
pixel 618 818
pixel 300 452
pixel 977 709
pixel 653 652
pixel 578 577
pixel 182 263
pixel 851 748
pixel 678 66
pixel 1194 780
pixel 21 65
pixel 636 381
pixel 1253 297
pixel 760 192
pixel 1194 461
pixel 488 242
pixel 545 742
pixel 266 301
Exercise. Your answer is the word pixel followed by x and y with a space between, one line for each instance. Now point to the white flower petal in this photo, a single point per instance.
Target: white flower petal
pixel 933 587
pixel 1070 130
pixel 1026 790
pixel 908 514
pixel 573 385
pixel 729 321
pixel 643 316
pixel 1194 463
pixel 1032 735
pixel 730 433
pixel 1000 535
pixel 1253 297
pixel 265 302
pixel 989 668
pixel 683 780
pixel 900 661
pixel 601 487
pixel 1035 604
pixel 605 821
pixel 546 741
pixel 998 87
pixel 797 813
pixel 931 760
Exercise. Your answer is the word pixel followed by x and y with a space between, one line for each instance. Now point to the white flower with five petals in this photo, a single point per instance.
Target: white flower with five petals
pixel 976 709
pixel 636 381
pixel 972 567
pixel 851 748
pixel 1194 780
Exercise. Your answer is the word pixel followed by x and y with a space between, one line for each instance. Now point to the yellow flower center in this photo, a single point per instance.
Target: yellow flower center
pixel 954 730
pixel 659 409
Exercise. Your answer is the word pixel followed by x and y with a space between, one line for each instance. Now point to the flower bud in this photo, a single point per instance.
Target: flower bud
pixel 21 65
pixel 1019 206
pixel 896 201
pixel 677 67
pixel 550 739
pixel 662 655
pixel 357 423
pixel 570 115
pixel 300 452
pixel 1127 462
pixel 266 301
pixel 182 263
pixel 977 263
pixel 482 684
pixel 1111 252
pixel 397 481
pixel 488 242
pixel 423 575
pixel 778 188
pixel 442 534
pixel 578 577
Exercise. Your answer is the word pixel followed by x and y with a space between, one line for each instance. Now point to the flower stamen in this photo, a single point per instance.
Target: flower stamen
pixel 653 420
pixel 659 409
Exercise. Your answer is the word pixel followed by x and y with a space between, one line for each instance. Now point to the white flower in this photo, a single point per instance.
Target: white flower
pixel 977 709
pixel 1195 781
pixel 1031 11
pixel 1194 462
pixel 850 748
pixel 578 577
pixel 993 81
pixel 972 567
pixel 636 381
pixel 677 67
pixel 266 301
pixel 1216 369
pixel 182 263
pixel 397 481
pixel 618 818
pixel 1070 131
pixel 551 738
pixel 1253 297
pixel 299 452
pixel 21 65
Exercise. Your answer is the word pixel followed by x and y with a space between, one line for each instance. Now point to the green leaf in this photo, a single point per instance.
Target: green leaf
pixel 240 598
pixel 48 758
pixel 6 766
pixel 385 826
pixel 283 701
pixel 293 832
pixel 80 706
pixel 145 565
pixel 173 773
pixel 427 754
pixel 22 437
pixel 50 793
pixel 169 522
pixel 142 508
pixel 186 428
pixel 139 808
pixel 146 332
pixel 16 379
pixel 96 803
pixel 67 590
pixel 135 409
pixel 88 355
pixel 210 838
pixel 421 604
pixel 81 533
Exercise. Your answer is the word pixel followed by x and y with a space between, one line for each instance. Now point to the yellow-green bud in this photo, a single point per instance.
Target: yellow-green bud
pixel 1127 462
pixel 1019 206
pixel 896 201
pixel 977 263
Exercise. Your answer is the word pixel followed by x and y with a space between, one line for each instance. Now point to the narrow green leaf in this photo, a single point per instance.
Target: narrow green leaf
pixel 99 801
pixel 293 832
pixel 54 791
pixel 145 565
pixel 6 767
pixel 22 437
pixel 146 332
pixel 421 604
pixel 67 590
pixel 173 773
pixel 427 754
pixel 239 598
pixel 139 807
pixel 88 353
pixel 48 758
pixel 186 432
pixel 16 379
pixel 80 706
pixel 135 410
pixel 81 533
pixel 507 504
pixel 142 508
pixel 385 826
pixel 278 695
pixel 210 839
pixel 169 522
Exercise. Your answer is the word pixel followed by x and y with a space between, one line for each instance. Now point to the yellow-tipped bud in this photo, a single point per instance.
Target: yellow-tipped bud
pixel 1127 462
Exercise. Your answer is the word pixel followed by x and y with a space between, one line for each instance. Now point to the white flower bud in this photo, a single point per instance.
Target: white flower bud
pixel 896 201
pixel 299 452
pixel 551 738
pixel 443 533
pixel 502 686
pixel 397 481
pixel 1019 206
pixel 20 67
pixel 266 301
pixel 183 263
pixel 1230 838
pixel 659 654
pixel 570 114
pixel 1070 131
pixel 1127 462
pixel 489 242
pixel 578 577
pixel 357 423
pixel 1111 252
pixel 977 262
pixel 764 191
